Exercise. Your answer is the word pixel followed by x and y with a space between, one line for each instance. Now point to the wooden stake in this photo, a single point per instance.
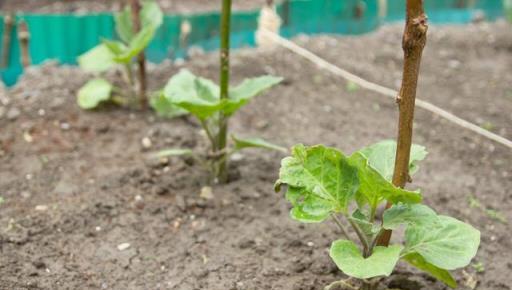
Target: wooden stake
pixel 6 41
pixel 141 58
pixel 24 38
pixel 414 40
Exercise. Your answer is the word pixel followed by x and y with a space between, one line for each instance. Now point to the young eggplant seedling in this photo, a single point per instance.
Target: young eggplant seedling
pixel 213 105
pixel 324 183
pixel 113 53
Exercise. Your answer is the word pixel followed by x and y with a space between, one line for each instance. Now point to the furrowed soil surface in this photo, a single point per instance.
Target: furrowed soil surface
pixel 83 6
pixel 70 178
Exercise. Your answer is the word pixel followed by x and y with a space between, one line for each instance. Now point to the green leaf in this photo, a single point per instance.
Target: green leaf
pixel 255 143
pixel 249 88
pixel 198 96
pixel 94 92
pixel 151 15
pixel 369 229
pixel 349 259
pixel 1 199
pixel 320 180
pixel 374 188
pixel 381 157
pixel 164 108
pixel 124 24
pixel 116 47
pixel 97 60
pixel 172 152
pixel 442 275
pixel 408 214
pixel 137 45
pixel 449 244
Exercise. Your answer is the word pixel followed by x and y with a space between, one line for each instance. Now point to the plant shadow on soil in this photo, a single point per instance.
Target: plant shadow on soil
pixel 69 178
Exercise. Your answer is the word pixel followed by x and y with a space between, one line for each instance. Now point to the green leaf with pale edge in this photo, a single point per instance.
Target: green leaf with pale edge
pixel 172 152
pixel 381 157
pixel 255 143
pixel 136 45
pixel 116 47
pixel 151 14
pixel 124 24
pixel 94 92
pixel 442 275
pixel 320 181
pixel 408 214
pixel 374 188
pixel 347 256
pixel 97 60
pixel 448 244
pixel 198 96
pixel 369 229
pixel 249 88
pixel 164 108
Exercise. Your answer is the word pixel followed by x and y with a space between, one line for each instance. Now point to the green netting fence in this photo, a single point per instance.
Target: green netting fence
pixel 64 37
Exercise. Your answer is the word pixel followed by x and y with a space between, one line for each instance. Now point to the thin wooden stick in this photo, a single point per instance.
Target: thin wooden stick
pixel 414 40
pixel 141 58
pixel 6 41
pixel 24 38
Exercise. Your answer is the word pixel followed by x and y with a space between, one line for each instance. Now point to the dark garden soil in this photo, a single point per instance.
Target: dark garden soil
pixel 83 6
pixel 70 178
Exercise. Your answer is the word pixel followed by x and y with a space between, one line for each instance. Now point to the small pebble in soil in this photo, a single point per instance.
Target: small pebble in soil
pixel 13 113
pixel 65 126
pixel 146 143
pixel 206 193
pixel 98 228
pixel 139 202
pixel 41 207
pixel 310 244
pixel 123 246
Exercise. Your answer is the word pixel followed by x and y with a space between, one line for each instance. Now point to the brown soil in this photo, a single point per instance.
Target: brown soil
pixel 84 6
pixel 70 178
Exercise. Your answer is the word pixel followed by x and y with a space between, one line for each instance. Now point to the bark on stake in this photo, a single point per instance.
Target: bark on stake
pixel 222 173
pixel 24 37
pixel 414 40
pixel 6 41
pixel 141 58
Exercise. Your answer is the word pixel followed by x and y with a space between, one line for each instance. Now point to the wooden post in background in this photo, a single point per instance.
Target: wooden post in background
pixel 24 38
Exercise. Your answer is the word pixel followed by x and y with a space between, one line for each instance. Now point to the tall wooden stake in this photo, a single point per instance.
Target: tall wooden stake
pixel 141 58
pixel 222 172
pixel 6 41
pixel 414 40
pixel 24 37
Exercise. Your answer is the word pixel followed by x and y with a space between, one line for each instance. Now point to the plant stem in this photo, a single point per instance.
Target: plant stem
pixel 6 41
pixel 141 58
pixel 362 238
pixel 222 173
pixel 340 225
pixel 414 40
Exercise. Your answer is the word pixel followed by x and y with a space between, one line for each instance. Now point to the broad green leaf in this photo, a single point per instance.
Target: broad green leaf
pixel 349 259
pixel 442 275
pixel 255 143
pixel 448 244
pixel 151 14
pixel 308 208
pixel 370 230
pixel 381 157
pixel 139 42
pixel 408 214
pixel 198 96
pixel 97 60
pixel 249 88
pixel 94 92
pixel 172 152
pixel 320 180
pixel 374 188
pixel 116 47
pixel 164 108
pixel 124 24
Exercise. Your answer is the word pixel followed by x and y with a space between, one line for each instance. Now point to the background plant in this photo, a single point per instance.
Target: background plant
pixel 120 53
pixel 187 93
pixel 324 183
